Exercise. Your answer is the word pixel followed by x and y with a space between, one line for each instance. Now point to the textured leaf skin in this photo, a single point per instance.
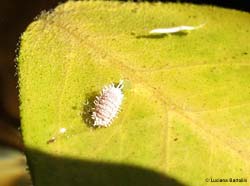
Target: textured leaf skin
pixel 186 110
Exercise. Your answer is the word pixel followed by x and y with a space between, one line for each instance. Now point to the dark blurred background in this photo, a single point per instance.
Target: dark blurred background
pixel 15 16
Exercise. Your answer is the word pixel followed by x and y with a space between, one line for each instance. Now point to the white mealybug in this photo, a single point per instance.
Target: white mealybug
pixel 107 105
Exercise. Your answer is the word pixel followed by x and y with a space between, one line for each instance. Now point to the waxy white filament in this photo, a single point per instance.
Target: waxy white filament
pixel 174 29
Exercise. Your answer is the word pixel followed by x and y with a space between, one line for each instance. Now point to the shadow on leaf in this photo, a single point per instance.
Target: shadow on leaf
pixel 159 36
pixel 50 170
pixel 87 109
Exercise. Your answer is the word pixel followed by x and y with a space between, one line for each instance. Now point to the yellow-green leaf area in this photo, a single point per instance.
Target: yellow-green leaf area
pixel 185 112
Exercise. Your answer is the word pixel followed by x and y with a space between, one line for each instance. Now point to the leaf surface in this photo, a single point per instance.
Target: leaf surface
pixel 186 110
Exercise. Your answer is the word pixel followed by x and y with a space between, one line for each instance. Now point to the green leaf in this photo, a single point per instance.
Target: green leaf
pixel 186 112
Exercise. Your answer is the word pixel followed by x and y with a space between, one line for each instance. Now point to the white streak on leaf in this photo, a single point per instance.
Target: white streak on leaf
pixel 174 29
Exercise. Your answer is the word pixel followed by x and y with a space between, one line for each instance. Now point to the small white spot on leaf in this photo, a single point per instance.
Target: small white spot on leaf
pixel 62 130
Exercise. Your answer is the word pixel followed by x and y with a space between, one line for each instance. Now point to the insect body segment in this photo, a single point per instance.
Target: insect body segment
pixel 107 105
